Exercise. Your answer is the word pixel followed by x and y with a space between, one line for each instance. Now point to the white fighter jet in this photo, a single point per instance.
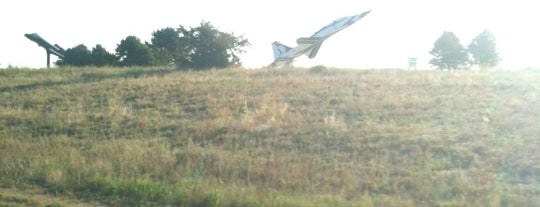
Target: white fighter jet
pixel 284 55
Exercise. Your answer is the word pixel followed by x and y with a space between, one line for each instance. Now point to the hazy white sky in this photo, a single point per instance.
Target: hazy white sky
pixel 392 32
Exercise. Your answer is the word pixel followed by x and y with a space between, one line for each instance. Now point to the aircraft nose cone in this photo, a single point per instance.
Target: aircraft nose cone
pixel 365 13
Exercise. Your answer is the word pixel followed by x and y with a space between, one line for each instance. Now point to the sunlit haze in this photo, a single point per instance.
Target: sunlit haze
pixel 386 38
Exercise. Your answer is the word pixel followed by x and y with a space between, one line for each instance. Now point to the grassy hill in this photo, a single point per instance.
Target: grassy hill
pixel 288 137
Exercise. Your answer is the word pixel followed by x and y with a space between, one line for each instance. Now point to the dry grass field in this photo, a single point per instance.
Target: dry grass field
pixel 287 137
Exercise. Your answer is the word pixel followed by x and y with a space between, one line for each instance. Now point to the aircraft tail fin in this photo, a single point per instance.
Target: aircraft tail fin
pixel 316 42
pixel 279 49
pixel 313 52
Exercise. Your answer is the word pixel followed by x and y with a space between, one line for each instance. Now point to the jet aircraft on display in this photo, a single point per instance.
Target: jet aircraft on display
pixel 49 48
pixel 284 55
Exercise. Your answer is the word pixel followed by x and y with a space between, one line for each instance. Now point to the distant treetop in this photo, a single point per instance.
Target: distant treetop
pixel 483 50
pixel 449 53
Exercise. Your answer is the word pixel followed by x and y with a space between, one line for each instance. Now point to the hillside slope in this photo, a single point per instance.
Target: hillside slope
pixel 298 137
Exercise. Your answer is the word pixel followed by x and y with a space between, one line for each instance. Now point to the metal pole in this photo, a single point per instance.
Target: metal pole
pixel 48 59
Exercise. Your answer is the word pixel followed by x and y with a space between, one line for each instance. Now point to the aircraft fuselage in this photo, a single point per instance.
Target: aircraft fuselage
pixel 310 45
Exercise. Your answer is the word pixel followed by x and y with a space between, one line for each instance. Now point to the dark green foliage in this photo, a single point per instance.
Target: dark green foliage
pixel 167 40
pixel 200 47
pixel 166 45
pixel 161 56
pixel 483 49
pixel 81 56
pixel 449 53
pixel 131 51
pixel 77 56
pixel 213 48
pixel 100 57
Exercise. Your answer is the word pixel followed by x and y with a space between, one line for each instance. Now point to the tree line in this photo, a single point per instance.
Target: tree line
pixel 451 55
pixel 204 47
pixel 198 47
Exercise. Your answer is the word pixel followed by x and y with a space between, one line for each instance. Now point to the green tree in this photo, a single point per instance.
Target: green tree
pixel 206 47
pixel 100 57
pixel 76 56
pixel 448 52
pixel 185 48
pixel 161 56
pixel 131 51
pixel 166 45
pixel 167 39
pixel 483 50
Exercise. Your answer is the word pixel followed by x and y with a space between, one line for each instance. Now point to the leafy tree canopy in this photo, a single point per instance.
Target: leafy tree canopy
pixel 167 39
pixel 483 50
pixel 100 57
pixel 76 56
pixel 448 52
pixel 200 47
pixel 131 51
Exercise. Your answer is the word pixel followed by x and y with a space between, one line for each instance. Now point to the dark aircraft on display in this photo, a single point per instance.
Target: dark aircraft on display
pixel 49 48
pixel 284 55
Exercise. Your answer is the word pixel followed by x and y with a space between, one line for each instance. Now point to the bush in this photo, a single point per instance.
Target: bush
pixel 320 69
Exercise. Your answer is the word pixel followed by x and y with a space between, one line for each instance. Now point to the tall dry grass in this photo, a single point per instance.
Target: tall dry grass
pixel 297 137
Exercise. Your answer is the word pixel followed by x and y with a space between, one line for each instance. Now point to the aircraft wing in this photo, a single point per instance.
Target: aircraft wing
pixel 54 49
